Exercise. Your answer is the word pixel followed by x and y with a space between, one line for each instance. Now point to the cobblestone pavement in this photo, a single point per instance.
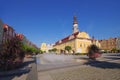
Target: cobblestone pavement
pixel 20 73
pixel 106 68
pixel 81 73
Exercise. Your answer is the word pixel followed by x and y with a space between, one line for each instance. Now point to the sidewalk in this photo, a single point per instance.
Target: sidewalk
pixel 20 73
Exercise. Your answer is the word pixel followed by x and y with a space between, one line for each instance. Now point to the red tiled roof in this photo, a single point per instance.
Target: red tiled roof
pixel 67 38
pixel 5 26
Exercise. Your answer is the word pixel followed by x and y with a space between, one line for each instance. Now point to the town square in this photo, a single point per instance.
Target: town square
pixel 59 40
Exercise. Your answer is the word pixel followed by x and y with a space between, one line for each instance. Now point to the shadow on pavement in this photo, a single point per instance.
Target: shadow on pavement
pixel 103 64
pixel 113 58
pixel 27 63
pixel 114 54
pixel 23 69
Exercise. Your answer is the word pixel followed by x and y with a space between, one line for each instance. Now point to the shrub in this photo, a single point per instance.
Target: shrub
pixel 11 55
pixel 77 53
pixel 93 52
pixel 68 48
pixel 80 53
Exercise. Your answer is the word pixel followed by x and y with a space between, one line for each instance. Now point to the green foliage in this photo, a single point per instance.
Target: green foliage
pixel 68 48
pixel 114 50
pixel 27 49
pixel 77 53
pixel 30 50
pixel 53 50
pixel 80 53
pixel 40 51
pixel 93 49
pixel 50 50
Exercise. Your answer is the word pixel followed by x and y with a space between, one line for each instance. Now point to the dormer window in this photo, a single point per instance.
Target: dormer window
pixel 60 41
pixel 71 37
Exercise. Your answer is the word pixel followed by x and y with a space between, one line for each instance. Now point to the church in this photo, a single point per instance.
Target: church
pixel 78 41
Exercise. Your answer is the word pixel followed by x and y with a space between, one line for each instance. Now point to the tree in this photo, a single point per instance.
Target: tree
pixel 68 48
pixel 50 50
pixel 114 50
pixel 40 51
pixel 54 49
pixel 29 50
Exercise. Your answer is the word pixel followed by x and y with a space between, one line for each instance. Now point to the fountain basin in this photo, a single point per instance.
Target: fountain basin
pixel 58 59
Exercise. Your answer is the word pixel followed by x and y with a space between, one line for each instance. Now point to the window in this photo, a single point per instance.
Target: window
pixel 80 45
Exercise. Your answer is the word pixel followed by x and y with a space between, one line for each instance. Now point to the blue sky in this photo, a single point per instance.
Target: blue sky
pixel 51 20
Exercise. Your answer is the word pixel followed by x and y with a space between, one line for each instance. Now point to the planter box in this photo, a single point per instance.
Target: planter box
pixel 94 55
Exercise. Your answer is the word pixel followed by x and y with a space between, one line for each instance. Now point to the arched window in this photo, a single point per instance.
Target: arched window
pixel 80 45
pixel 84 45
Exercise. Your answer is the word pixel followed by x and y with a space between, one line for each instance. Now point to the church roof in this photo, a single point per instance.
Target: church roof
pixel 67 38
pixel 71 37
pixel 76 34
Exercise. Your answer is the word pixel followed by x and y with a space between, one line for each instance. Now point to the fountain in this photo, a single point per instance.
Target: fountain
pixel 55 59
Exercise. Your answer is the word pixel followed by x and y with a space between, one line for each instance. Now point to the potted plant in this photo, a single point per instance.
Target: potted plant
pixel 93 52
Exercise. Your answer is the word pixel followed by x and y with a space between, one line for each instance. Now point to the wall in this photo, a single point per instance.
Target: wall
pixel 108 44
pixel 61 47
pixel 82 45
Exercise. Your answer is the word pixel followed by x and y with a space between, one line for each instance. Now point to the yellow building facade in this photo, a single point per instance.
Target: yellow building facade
pixel 43 47
pixel 78 41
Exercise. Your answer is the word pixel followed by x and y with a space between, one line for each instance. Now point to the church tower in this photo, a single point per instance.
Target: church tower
pixel 75 25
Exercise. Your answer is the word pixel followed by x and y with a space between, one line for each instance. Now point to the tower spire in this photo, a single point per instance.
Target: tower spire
pixel 75 25
pixel 75 20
